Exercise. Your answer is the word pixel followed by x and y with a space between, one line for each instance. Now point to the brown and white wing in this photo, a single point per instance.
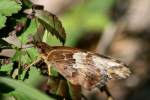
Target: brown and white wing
pixel 115 69
pixel 85 68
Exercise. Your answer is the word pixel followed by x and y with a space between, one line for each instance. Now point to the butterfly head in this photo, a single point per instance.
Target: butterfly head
pixel 42 47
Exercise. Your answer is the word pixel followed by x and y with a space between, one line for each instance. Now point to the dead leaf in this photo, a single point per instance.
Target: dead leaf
pixel 7 52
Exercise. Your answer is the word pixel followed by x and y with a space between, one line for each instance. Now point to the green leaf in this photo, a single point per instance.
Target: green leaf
pixel 35 77
pixel 16 57
pixel 6 68
pixel 27 4
pixel 51 23
pixel 20 96
pixel 32 28
pixel 2 21
pixel 24 89
pixel 54 72
pixel 8 7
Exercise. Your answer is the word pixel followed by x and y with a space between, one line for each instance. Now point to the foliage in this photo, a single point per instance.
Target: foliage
pixel 16 28
pixel 20 20
pixel 7 8
pixel 22 90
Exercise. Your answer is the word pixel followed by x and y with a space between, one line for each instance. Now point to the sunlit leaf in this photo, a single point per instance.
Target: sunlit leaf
pixel 2 21
pixel 8 7
pixel 51 23
pixel 6 68
pixel 32 28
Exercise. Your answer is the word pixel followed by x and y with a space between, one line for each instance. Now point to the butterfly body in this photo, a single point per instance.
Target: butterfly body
pixel 83 68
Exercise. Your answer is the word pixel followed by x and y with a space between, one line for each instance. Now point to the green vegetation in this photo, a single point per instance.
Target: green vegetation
pixel 20 20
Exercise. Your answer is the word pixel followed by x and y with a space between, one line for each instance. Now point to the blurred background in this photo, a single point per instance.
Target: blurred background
pixel 118 28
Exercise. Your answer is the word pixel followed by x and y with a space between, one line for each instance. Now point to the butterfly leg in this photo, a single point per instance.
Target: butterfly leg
pixel 49 69
pixel 105 89
pixel 33 63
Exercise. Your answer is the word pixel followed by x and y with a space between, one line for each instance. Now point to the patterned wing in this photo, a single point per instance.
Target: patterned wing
pixel 85 68
pixel 76 70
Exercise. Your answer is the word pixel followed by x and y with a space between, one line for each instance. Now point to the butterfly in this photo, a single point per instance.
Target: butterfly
pixel 84 68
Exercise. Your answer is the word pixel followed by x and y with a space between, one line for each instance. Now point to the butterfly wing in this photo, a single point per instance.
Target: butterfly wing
pixel 85 68
pixel 74 69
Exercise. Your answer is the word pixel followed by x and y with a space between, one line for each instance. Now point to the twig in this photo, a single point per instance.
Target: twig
pixel 84 97
pixel 106 39
pixel 108 36
pixel 109 96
